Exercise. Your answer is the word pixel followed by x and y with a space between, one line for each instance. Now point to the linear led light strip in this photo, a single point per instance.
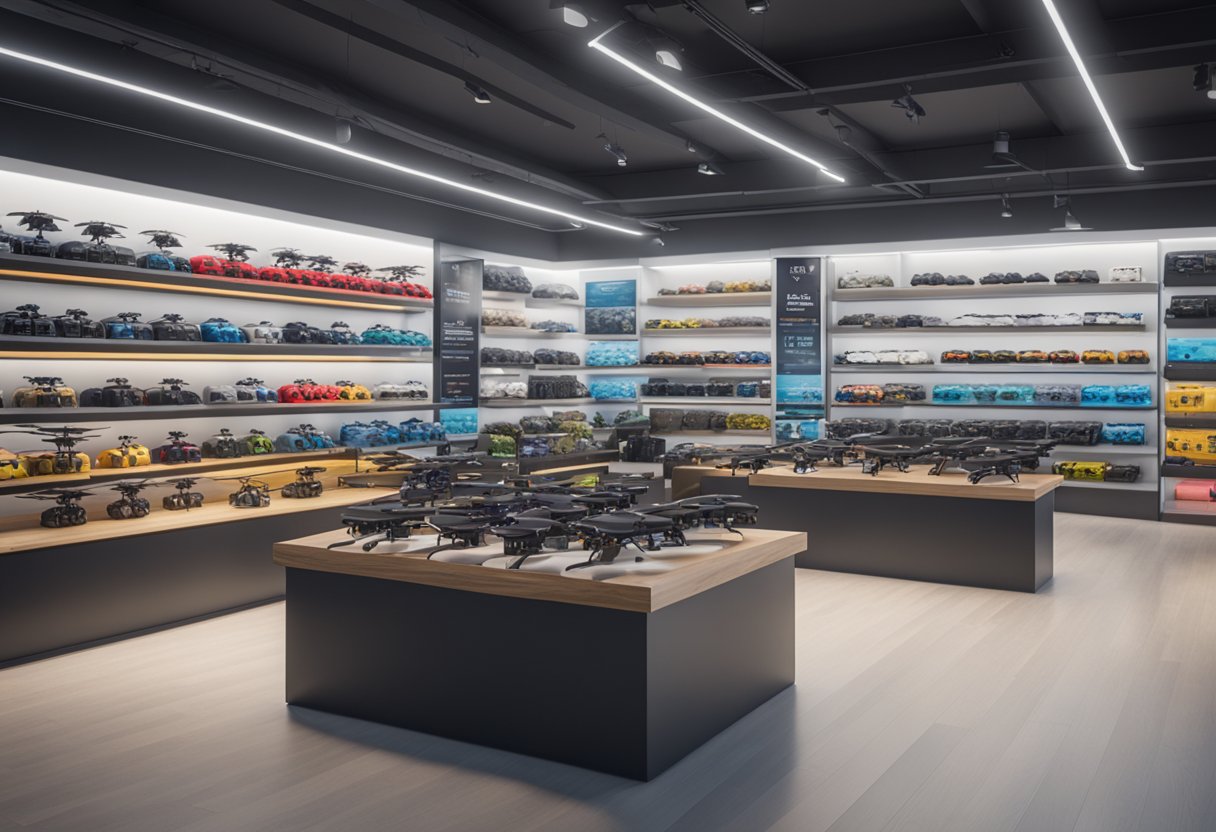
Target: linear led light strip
pixel 300 137
pixel 696 102
pixel 1089 83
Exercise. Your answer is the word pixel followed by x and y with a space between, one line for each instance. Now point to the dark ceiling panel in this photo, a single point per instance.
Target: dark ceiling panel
pixel 1134 99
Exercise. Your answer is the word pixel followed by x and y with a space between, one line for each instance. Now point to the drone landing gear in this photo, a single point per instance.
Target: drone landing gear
pixel 981 474
pixel 607 553
pixel 459 540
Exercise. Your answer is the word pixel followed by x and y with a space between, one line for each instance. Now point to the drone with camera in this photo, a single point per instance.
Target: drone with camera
pixel 65 459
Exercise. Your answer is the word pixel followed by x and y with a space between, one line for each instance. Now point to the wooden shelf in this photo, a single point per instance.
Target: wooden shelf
pixel 212 513
pixel 708 331
pixel 549 303
pixel 1189 511
pixel 101 349
pixel 975 330
pixel 917 481
pixel 66 272
pixel 50 415
pixel 712 299
pixel 996 291
pixel 525 332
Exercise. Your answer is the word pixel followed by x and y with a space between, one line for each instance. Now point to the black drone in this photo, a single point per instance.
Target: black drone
pixel 382 522
pixel 37 221
pixel 357 269
pixel 234 251
pixel 163 240
pixel 252 493
pixel 306 483
pixel 403 273
pixel 65 439
pixel 99 231
pixel 606 535
pixel 67 510
pixel 530 532
pixel 287 258
pixel 129 504
pixel 184 499
pixel 320 262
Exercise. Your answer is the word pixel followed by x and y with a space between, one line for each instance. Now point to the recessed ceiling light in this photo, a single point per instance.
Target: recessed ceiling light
pixel 573 15
pixel 599 46
pixel 1089 83
pixel 309 140
pixel 668 57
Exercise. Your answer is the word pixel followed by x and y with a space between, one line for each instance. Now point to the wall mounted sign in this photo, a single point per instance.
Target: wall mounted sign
pixel 798 355
pixel 457 330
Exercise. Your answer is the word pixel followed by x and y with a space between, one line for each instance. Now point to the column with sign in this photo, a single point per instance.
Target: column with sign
pixel 798 358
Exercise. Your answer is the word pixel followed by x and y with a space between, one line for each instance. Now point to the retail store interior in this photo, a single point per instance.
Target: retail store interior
pixel 676 415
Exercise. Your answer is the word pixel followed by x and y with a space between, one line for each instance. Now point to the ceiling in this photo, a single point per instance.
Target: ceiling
pixel 819 76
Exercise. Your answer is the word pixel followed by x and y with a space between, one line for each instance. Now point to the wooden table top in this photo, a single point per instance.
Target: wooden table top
pixel 918 480
pixel 682 575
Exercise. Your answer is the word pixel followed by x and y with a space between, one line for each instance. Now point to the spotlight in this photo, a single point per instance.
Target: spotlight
pixel 573 15
pixel 659 241
pixel 668 57
pixel 1000 143
pixel 480 96
pixel 1006 208
pixel 909 105
pixel 342 131
pixel 690 147
pixel 616 150
pixel 1071 223
pixel 710 169
pixel 756 6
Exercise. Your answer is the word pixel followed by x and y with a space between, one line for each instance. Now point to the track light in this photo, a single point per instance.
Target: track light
pixel 616 150
pixel 599 46
pixel 756 6
pixel 573 15
pixel 709 169
pixel 658 241
pixel 342 131
pixel 690 147
pixel 308 140
pixel 1006 208
pixel 480 96
pixel 669 56
pixel 1089 83
pixel 1071 223
pixel 909 105
pixel 1000 143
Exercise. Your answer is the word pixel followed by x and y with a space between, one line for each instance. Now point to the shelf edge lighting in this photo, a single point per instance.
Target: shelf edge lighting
pixel 1089 83
pixel 300 137
pixel 597 45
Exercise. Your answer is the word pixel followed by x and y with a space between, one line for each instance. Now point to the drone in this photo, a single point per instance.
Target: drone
pixel 321 262
pixel 529 532
pixel 99 231
pixel 382 522
pixel 252 493
pixel 721 510
pixel 129 504
pixel 184 499
pixel 163 240
pixel 37 221
pixel 606 535
pixel 238 252
pixel 65 460
pixel 357 269
pixel 306 484
pixel 403 273
pixel 67 510
pixel 287 258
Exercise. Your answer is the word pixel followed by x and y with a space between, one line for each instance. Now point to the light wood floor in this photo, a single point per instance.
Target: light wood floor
pixel 1091 706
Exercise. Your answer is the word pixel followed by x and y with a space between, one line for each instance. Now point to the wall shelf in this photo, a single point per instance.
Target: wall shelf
pixel 712 299
pixel 708 331
pixel 757 434
pixel 68 272
pixel 1190 371
pixel 1175 279
pixel 727 400
pixel 1190 420
pixel 1190 472
pixel 535 402
pixel 1067 369
pixel 1190 323
pixel 992 406
pixel 54 415
pixel 525 332
pixel 996 292
pixel 104 349
pixel 550 303
pixel 1189 511
pixel 974 330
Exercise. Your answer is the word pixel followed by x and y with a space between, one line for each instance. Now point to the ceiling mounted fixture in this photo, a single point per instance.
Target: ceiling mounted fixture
pixel 756 6
pixel 668 54
pixel 572 14
pixel 342 131
pixel 480 96
pixel 1071 223
pixel 710 169
pixel 1089 83
pixel 622 158
pixel 1203 80
pixel 598 45
pixel 911 107
pixel 309 140
pixel 1006 208
pixel 690 147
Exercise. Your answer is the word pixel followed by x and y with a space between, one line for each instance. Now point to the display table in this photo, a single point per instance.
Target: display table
pixel 996 534
pixel 623 674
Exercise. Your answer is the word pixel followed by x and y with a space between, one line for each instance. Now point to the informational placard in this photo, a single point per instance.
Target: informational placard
pixel 798 356
pixel 457 330
pixel 611 308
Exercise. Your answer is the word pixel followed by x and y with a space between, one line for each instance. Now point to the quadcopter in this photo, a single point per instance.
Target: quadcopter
pixel 725 511
pixel 287 258
pixel 67 510
pixel 382 522
pixel 606 535
pixel 65 459
pixel 237 252
pixel 252 493
pixel 99 231
pixel 357 269
pixel 129 504
pixel 306 484
pixel 320 262
pixel 37 221
pixel 184 499
pixel 163 240
pixel 529 532
pixel 403 273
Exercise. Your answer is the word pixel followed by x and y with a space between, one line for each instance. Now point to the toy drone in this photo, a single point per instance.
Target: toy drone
pixel 184 499
pixel 306 483
pixel 530 532
pixel 384 522
pixel 67 510
pixel 238 252
pixel 65 459
pixel 320 262
pixel 287 258
pixel 357 269
pixel 606 535
pixel 129 505
pixel 252 493
pixel 163 240
pixel 38 221
pixel 99 231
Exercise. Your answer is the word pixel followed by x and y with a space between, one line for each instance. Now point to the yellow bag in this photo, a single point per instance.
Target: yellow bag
pixel 1190 398
pixel 1196 445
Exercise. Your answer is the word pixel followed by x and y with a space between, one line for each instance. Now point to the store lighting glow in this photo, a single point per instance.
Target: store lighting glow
pixel 309 140
pixel 1089 83
pixel 599 46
